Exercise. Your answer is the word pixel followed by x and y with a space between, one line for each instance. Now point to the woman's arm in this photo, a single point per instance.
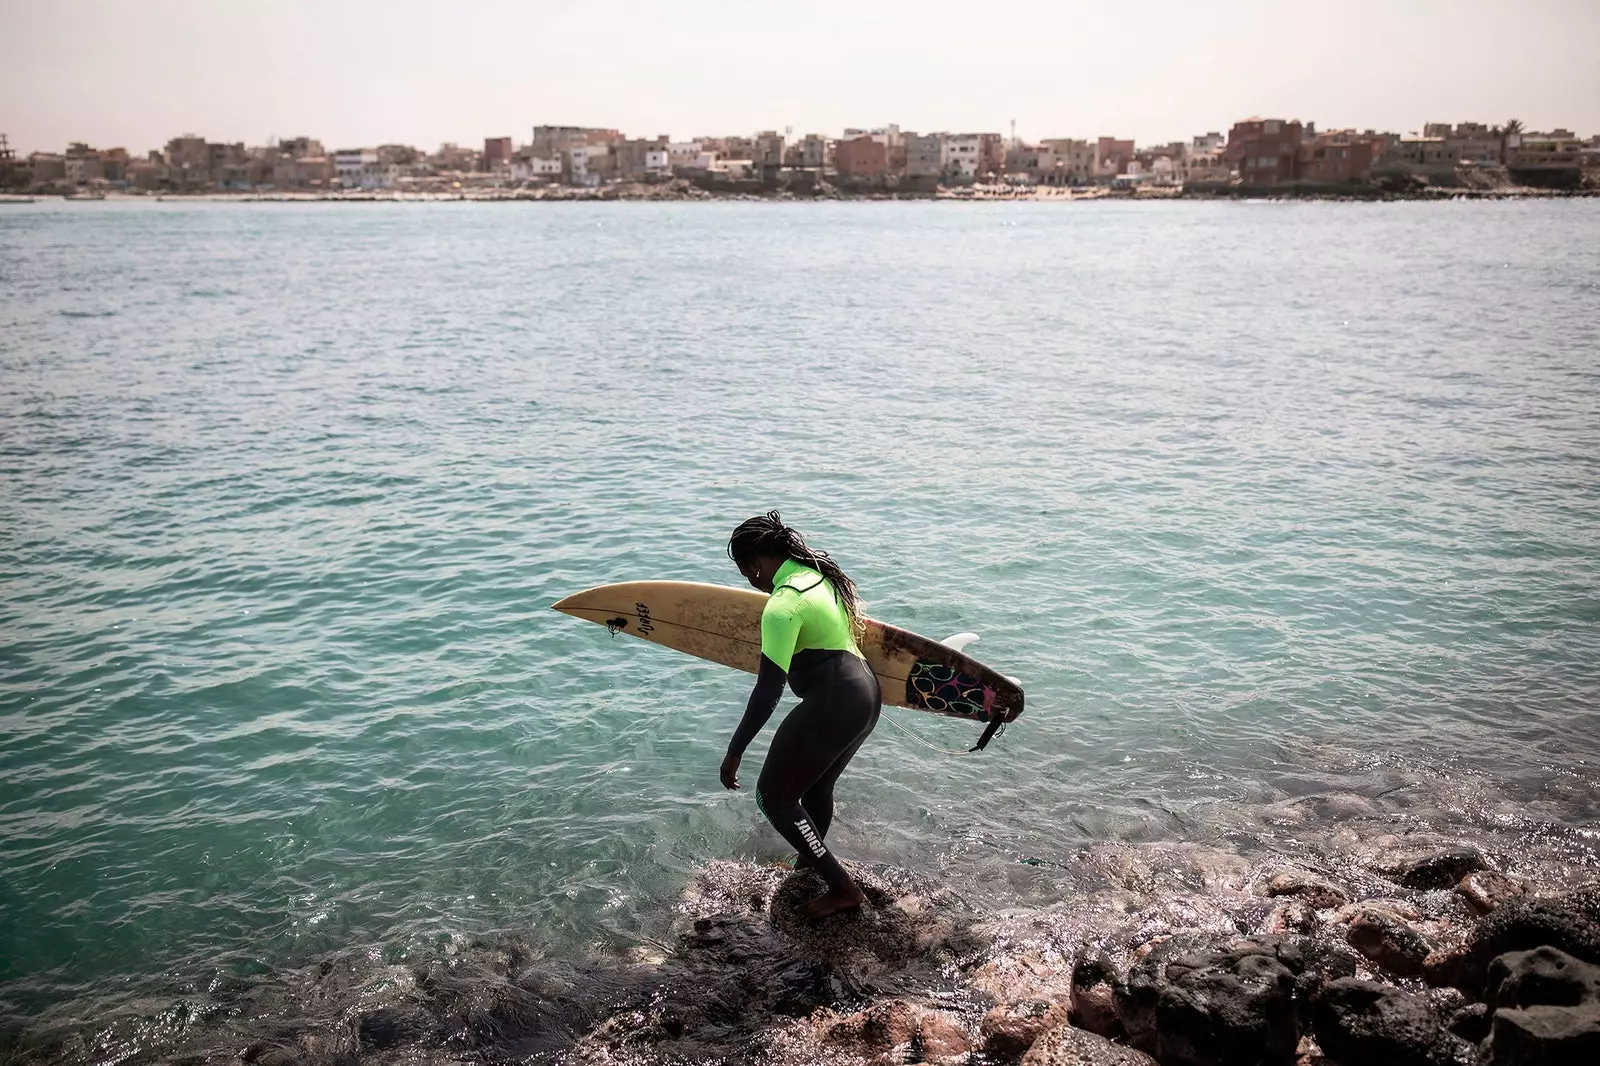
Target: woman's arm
pixel 780 629
pixel 763 701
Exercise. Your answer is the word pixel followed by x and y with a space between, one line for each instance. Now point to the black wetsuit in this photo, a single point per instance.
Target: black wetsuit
pixel 839 704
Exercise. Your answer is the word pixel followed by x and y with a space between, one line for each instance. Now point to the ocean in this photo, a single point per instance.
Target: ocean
pixel 1260 502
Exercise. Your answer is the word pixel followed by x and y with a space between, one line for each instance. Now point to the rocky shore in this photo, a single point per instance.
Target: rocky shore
pixel 1404 949
pixel 681 191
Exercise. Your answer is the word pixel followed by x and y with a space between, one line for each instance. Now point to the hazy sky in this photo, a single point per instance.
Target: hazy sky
pixel 356 72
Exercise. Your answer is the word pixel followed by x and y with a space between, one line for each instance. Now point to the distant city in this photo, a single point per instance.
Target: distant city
pixel 1255 154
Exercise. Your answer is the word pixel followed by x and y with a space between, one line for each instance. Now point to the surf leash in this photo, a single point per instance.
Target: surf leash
pixel 993 730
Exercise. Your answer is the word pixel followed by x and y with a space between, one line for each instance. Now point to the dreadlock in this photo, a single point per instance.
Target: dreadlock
pixel 767 535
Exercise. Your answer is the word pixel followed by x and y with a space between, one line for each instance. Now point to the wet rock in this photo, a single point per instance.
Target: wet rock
pixel 884 1031
pixel 1543 976
pixel 1470 1023
pixel 1360 1021
pixel 1430 868
pixel 904 928
pixel 389 1026
pixel 1391 944
pixel 1569 922
pixel 1094 999
pixel 941 1038
pixel 1544 1007
pixel 1231 1004
pixel 1446 1001
pixel 1009 1030
pixel 1316 892
pixel 1066 1046
pixel 1484 890
pixel 1137 992
pixel 1542 1036
pixel 1292 916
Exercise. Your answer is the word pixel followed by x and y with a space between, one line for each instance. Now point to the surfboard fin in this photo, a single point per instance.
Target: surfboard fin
pixel 959 641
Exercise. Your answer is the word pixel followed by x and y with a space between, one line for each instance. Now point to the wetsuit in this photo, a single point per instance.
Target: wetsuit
pixel 806 638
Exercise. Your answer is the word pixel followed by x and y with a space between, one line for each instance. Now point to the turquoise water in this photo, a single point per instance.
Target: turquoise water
pixel 1255 499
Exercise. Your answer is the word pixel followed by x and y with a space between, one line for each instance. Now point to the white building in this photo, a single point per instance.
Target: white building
pixel 534 168
pixel 682 153
pixel 360 169
pixel 658 162
pixel 962 151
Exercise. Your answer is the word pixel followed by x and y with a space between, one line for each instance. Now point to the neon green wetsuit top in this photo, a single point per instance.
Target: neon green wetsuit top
pixel 803 614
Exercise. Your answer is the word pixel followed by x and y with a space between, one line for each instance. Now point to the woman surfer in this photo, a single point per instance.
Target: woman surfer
pixel 808 631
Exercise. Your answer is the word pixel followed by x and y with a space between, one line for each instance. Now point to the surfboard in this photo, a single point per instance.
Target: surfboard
pixel 723 625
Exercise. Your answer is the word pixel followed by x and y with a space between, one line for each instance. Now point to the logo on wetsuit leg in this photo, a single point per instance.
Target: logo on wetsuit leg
pixel 811 838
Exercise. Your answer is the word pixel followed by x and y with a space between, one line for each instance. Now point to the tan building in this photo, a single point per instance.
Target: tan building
pixel 924 157
pixel 1558 149
pixel 642 158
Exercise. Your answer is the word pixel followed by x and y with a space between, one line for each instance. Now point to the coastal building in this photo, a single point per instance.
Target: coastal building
pixel 82 165
pixel 1111 157
pixel 970 157
pixel 1423 152
pixel 362 168
pixel 1561 149
pixel 496 153
pixel 532 168
pixel 862 159
pixel 551 142
pixel 302 147
pixel 1265 151
pixel 682 154
pixel 452 157
pixel 813 152
pixel 1074 160
pixel 1468 142
pixel 924 157
pixel 642 159
pixel 766 154
pixel 1336 157
pixel 1205 161
pixel 303 172
pixel 48 168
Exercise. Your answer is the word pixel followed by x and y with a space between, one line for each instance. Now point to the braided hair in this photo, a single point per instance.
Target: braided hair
pixel 767 535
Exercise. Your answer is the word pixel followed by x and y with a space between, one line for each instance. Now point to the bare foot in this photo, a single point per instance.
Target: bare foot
pixel 834 901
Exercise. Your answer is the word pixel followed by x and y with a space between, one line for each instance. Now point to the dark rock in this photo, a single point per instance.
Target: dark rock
pixel 1234 1004
pixel 1010 1029
pixel 1434 868
pixel 1541 977
pixel 1137 991
pixel 384 1028
pixel 1545 1008
pixel 1570 923
pixel 1065 1046
pixel 1360 1021
pixel 1094 1000
pixel 1543 1036
pixel 1446 1001
pixel 1485 890
pixel 1470 1023
pixel 1391 944
pixel 1316 892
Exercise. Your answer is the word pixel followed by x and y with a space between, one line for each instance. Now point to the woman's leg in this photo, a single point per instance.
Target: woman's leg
pixel 810 749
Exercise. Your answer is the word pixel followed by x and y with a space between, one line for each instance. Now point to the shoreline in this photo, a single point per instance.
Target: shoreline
pixel 685 193
pixel 1326 926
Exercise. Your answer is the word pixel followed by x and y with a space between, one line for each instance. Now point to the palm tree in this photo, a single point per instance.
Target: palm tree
pixel 1509 130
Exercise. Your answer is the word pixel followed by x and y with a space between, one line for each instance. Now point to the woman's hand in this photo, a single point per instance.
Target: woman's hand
pixel 730 771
